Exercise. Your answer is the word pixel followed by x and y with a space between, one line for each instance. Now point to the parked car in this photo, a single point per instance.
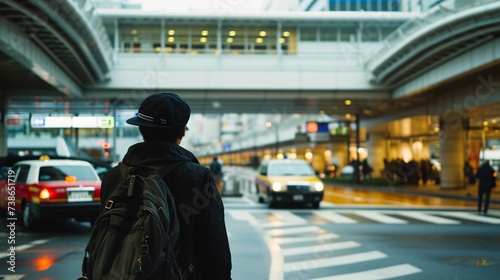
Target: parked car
pixel 288 181
pixel 51 188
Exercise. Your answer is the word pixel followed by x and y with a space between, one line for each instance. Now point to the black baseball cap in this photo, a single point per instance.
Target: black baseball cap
pixel 162 110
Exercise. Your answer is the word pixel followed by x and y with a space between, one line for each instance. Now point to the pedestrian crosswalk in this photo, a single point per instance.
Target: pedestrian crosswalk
pixel 305 250
pixel 273 218
pixel 302 245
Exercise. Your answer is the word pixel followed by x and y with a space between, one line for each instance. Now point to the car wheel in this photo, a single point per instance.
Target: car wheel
pixel 28 218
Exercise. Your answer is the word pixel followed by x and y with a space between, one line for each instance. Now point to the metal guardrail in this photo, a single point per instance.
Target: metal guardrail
pixel 238 181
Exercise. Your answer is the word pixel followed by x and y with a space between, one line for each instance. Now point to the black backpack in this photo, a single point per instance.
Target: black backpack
pixel 134 236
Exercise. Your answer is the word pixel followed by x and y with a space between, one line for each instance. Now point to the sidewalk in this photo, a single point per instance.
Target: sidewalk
pixel 429 189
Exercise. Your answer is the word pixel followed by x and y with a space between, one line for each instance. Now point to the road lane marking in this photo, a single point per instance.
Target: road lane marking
pixel 26 246
pixel 378 217
pixel 335 261
pixel 429 218
pixel 322 238
pixel 314 249
pixel 334 217
pixel 276 267
pixel 287 231
pixel 377 274
pixel 243 215
pixel 472 217
pixel 284 218
pixel 11 276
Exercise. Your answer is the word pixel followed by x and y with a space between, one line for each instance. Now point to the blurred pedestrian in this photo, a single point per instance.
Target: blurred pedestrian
pixel 203 247
pixel 216 168
pixel 469 178
pixel 486 176
pixel 366 169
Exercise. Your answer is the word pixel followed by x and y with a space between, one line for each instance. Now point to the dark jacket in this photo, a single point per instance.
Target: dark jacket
pixel 203 242
pixel 485 174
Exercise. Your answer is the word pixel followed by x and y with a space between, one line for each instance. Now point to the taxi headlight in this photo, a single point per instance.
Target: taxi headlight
pixel 277 186
pixel 318 186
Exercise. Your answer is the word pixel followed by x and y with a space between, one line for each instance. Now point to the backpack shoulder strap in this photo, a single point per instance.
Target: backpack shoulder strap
pixel 162 171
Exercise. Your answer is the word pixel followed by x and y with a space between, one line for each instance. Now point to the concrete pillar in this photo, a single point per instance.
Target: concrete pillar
pixel 318 159
pixel 393 149
pixel 339 155
pixel 452 148
pixel 376 146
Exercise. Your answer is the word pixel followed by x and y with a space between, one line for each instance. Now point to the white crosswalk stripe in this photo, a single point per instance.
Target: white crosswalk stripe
pixel 428 218
pixel 334 261
pixel 334 217
pixel 294 230
pixel 322 238
pixel 376 274
pixel 318 248
pixel 284 218
pixel 379 217
pixel 472 217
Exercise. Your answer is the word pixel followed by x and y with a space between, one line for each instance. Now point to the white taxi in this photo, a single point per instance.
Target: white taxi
pixel 51 188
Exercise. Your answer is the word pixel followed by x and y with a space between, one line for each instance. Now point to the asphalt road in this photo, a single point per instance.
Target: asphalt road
pixel 361 240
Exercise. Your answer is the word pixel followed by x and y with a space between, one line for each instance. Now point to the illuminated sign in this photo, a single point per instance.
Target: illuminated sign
pixel 72 122
pixel 314 127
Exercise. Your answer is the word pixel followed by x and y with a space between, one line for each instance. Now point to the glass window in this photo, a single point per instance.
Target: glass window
pixel 370 32
pixel 308 34
pixel 261 39
pixel 22 173
pixel 234 39
pixel 347 33
pixel 140 37
pixel 177 38
pixel 204 38
pixel 328 33
pixel 60 172
pixel 291 169
pixel 288 39
pixel 386 30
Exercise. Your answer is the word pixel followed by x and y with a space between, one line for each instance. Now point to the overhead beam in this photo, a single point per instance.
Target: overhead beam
pixel 19 47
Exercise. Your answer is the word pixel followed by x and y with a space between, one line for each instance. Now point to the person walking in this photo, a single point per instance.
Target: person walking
pixel 216 168
pixel 486 176
pixel 203 247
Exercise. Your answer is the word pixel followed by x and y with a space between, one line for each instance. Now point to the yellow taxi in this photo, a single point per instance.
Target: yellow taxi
pixel 288 181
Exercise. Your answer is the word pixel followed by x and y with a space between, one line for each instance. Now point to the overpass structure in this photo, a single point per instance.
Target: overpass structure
pixel 436 70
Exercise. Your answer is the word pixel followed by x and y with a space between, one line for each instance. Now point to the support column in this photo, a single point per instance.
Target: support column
pixel 318 161
pixel 452 147
pixel 376 146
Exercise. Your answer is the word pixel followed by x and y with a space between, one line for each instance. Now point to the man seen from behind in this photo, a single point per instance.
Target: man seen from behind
pixel 203 247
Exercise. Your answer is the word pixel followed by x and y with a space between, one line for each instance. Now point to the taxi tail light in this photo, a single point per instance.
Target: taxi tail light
pixel 44 194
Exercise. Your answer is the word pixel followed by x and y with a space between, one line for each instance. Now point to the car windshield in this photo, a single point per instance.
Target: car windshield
pixel 291 169
pixel 59 173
